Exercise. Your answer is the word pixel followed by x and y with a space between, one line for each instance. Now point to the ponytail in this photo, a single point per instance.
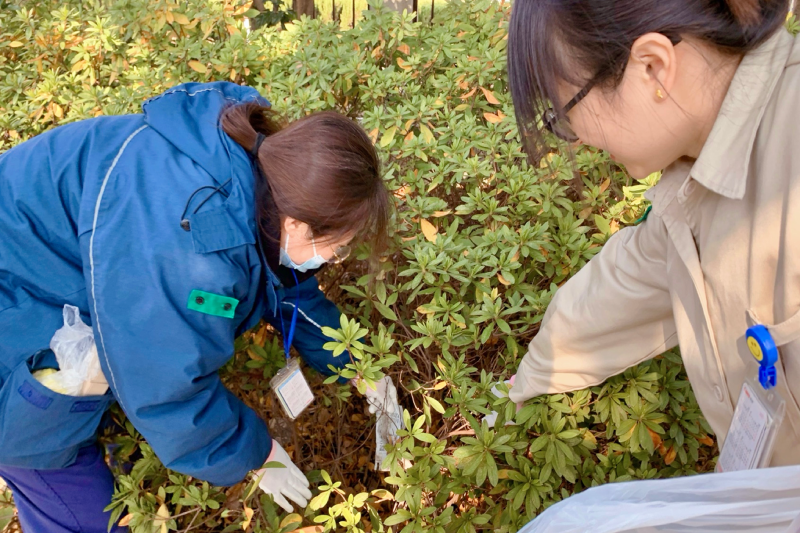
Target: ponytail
pixel 244 122
pixel 747 13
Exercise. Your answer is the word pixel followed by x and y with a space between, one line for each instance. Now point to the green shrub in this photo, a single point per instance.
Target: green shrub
pixel 482 241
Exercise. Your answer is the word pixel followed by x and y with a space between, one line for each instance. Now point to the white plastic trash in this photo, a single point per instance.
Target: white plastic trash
pixel 753 501
pixel 79 371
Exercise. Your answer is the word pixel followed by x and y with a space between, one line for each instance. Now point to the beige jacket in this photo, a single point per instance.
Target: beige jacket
pixel 722 240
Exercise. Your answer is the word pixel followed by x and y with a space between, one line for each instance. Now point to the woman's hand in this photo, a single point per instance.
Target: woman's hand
pixel 287 482
pixel 491 418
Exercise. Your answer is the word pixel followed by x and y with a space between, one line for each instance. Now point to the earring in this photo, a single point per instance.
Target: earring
pixel 659 94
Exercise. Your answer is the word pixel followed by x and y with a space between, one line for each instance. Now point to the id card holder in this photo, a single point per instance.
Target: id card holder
pixel 759 411
pixel 751 438
pixel 292 389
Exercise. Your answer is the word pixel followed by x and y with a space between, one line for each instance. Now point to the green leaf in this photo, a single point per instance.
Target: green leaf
pixel 435 404
pixel 388 137
pixel 386 311
pixel 401 516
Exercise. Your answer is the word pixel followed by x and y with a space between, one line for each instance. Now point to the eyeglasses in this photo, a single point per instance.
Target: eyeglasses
pixel 340 254
pixel 558 123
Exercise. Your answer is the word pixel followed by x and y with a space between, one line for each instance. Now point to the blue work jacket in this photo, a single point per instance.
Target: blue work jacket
pixel 90 215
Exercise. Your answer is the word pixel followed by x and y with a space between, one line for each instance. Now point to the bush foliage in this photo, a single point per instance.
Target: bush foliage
pixel 481 243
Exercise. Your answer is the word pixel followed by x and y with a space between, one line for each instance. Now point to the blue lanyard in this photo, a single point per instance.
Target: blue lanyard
pixel 287 339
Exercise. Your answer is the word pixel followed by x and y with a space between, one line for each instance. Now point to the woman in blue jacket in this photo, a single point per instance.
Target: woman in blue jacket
pixel 173 231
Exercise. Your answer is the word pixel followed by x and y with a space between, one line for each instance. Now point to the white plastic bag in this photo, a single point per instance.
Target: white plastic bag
pixel 764 501
pixel 76 354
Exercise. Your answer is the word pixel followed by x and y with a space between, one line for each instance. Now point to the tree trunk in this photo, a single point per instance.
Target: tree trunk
pixel 400 5
pixel 304 7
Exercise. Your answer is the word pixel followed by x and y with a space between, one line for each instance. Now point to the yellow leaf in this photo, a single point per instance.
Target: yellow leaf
pixel 670 457
pixel 125 520
pixel 404 49
pixel 402 64
pixel 439 214
pixel 490 96
pixel 310 529
pixel 374 135
pixel 424 310
pixel 655 437
pixel 440 385
pixel 708 441
pixel 428 229
pixel 243 9
pixel 388 136
pixel 180 18
pixel 58 111
pixel 79 65
pixel 491 117
pixel 467 95
pixel 233 74
pixel 605 185
pixel 162 515
pixel 248 513
pixel 426 132
pixel 197 66
pixel 293 518
pixel 461 107
pixel 409 137
pixel 170 17
pixel 15 44
pixel 503 280
pixel 402 191
pixel 232 30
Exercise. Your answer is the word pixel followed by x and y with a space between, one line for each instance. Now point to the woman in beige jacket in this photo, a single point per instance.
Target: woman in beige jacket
pixel 710 92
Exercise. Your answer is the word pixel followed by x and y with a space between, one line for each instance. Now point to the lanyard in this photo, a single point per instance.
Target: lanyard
pixel 287 339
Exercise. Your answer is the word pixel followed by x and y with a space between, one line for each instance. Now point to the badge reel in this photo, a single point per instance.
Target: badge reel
pixel 289 383
pixel 759 412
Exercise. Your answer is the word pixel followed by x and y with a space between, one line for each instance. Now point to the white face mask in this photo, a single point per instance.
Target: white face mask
pixel 312 264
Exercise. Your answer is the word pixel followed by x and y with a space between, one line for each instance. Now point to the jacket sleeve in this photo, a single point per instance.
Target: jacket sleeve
pixel 614 313
pixel 314 312
pixel 161 358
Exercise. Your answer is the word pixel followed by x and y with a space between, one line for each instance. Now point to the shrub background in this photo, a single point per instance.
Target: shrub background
pixel 482 242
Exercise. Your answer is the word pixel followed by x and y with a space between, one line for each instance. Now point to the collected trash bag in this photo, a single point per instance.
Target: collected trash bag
pixel 764 500
pixel 79 372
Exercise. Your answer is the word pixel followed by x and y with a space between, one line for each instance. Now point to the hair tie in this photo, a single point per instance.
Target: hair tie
pixel 259 139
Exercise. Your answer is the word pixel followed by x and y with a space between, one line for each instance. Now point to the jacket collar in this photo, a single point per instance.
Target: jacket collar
pixel 725 158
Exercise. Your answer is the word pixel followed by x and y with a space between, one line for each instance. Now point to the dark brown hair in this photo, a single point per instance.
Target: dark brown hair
pixel 578 41
pixel 321 169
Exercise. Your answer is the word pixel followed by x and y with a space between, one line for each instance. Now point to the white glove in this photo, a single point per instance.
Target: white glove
pixel 383 398
pixel 491 418
pixel 281 483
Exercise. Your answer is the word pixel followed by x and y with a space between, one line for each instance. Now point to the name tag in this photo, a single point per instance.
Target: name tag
pixel 752 434
pixel 292 389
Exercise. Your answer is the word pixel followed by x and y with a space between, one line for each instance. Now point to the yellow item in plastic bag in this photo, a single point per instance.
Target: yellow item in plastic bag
pixel 49 378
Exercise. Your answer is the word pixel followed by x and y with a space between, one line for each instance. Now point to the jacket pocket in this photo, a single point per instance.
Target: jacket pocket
pixel 40 428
